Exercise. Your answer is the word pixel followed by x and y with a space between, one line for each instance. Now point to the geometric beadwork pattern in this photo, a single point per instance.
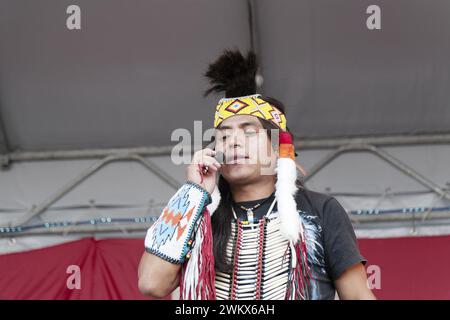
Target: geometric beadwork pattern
pixel 168 237
pixel 248 105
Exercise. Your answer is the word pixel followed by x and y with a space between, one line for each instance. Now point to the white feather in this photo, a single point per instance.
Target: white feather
pixel 215 200
pixel 291 226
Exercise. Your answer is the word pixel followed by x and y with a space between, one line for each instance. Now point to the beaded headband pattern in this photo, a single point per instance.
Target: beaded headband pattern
pixel 249 105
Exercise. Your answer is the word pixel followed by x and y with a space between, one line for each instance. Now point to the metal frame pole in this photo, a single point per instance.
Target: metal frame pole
pixel 35 211
pixel 401 166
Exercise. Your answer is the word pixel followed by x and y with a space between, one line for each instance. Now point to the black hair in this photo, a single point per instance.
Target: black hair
pixel 234 75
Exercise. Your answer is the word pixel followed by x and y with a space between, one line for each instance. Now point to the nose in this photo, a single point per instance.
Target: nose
pixel 235 140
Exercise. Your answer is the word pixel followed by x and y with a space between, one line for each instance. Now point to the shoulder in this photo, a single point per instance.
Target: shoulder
pixel 312 201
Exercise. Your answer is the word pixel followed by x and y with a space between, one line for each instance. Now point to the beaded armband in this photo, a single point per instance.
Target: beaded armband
pixel 171 236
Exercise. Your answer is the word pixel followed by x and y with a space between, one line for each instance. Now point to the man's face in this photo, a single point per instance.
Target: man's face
pixel 247 149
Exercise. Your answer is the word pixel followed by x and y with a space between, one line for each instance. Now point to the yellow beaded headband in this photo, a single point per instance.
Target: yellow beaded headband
pixel 249 105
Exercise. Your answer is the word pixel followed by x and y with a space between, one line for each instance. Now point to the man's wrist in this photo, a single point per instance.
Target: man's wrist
pixel 201 188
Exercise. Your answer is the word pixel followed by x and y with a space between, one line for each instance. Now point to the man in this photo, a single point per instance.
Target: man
pixel 257 233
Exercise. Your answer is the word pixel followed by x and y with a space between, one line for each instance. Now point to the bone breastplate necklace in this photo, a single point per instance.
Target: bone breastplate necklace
pixel 260 257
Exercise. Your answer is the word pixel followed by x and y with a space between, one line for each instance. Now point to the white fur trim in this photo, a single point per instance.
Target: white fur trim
pixel 291 226
pixel 192 267
pixel 215 200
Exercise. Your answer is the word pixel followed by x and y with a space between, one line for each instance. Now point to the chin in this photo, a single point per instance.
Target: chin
pixel 239 173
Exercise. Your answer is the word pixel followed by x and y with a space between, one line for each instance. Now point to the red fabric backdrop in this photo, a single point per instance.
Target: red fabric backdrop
pixel 410 268
pixel 108 270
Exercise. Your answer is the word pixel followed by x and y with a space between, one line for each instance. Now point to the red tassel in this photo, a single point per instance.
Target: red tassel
pixel 205 284
pixel 300 275
pixel 207 274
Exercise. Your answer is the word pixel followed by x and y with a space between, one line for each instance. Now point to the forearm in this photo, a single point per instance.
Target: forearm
pixel 157 277
pixel 352 284
pixel 356 294
pixel 170 239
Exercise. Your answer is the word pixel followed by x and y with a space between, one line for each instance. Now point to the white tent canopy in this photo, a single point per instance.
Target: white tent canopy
pixel 134 73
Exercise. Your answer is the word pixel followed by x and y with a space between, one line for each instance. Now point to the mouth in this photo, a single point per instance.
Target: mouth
pixel 236 159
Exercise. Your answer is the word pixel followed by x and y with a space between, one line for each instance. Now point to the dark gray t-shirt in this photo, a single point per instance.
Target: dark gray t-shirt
pixel 332 246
